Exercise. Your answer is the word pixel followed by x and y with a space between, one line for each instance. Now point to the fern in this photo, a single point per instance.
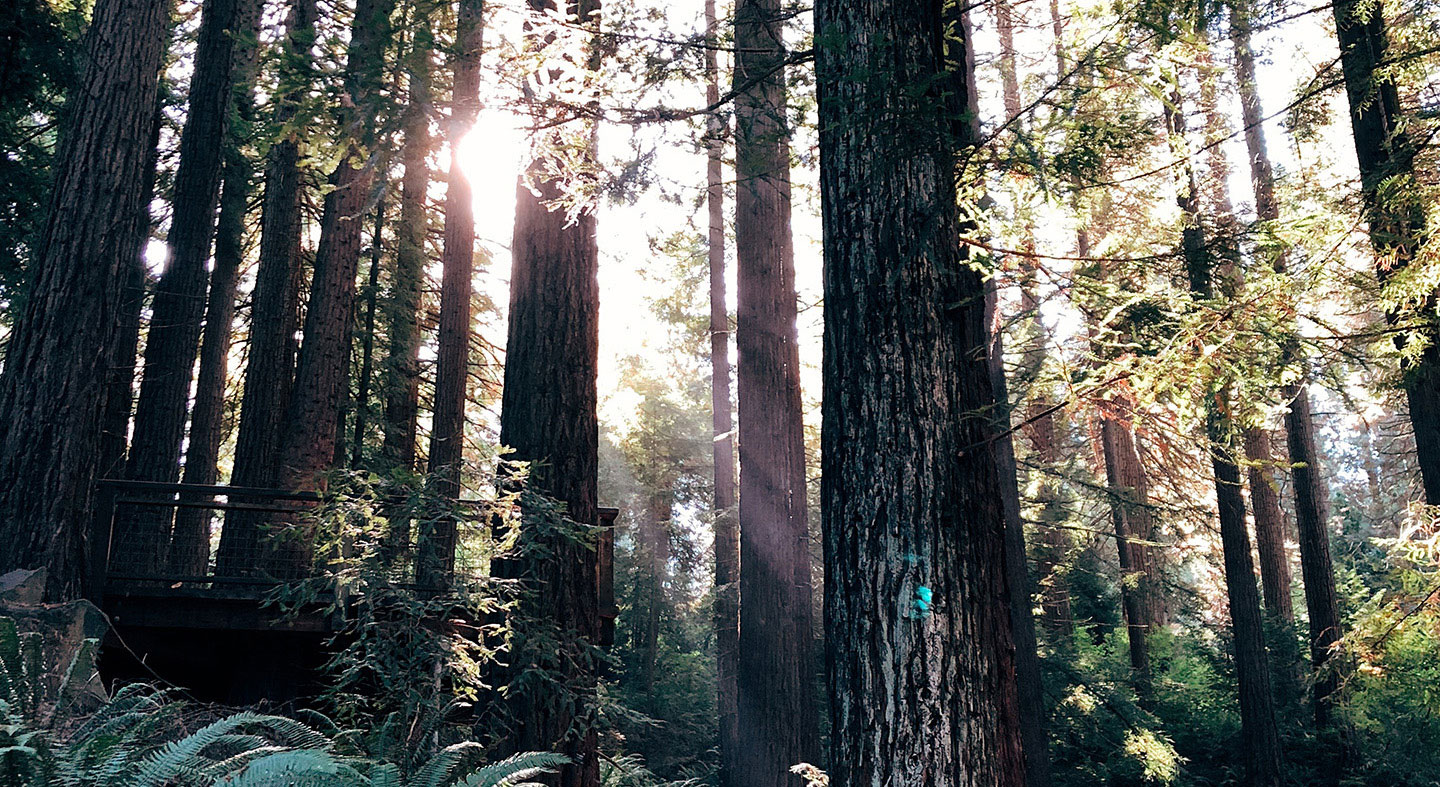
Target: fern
pixel 295 768
pixel 513 771
pixel 440 770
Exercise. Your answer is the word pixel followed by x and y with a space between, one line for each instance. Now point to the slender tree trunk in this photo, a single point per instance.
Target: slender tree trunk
pixel 436 542
pixel 1396 213
pixel 656 521
pixel 1040 413
pixel 727 534
pixel 1030 688
pixel 367 341
pixel 309 437
pixel 1257 712
pixel 918 648
pixel 190 544
pixel 269 375
pixel 178 308
pixel 1029 685
pixel 52 390
pixel 1129 493
pixel 1312 496
pixel 548 416
pixel 776 701
pixel 402 370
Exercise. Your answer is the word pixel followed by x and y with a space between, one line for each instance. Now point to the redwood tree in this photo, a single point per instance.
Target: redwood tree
pixel 727 534
pixel 920 676
pixel 52 389
pixel 776 704
pixel 178 307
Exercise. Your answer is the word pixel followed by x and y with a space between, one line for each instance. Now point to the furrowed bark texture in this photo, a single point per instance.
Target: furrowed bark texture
pixel 402 370
pixel 309 435
pixel 776 703
pixel 1252 670
pixel 190 545
pixel 367 342
pixel 727 534
pixel 274 317
pixel 548 416
pixel 1393 208
pixel 919 659
pixel 178 307
pixel 1269 525
pixel 436 542
pixel 1312 496
pixel 52 390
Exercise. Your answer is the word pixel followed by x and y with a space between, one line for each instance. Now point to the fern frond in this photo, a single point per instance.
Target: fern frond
pixel 513 771
pixel 441 770
pixel 295 768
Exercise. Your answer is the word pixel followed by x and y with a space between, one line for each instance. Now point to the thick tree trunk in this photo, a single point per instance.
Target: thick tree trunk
pixel 1312 497
pixel 548 416
pixel 178 308
pixel 190 544
pixel 1269 525
pixel 435 558
pixel 727 534
pixel 269 375
pixel 776 703
pixel 120 386
pixel 1252 672
pixel 919 666
pixel 309 436
pixel 52 390
pixel 1396 216
pixel 402 370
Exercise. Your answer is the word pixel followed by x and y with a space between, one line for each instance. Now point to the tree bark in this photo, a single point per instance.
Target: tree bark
pixel 1269 525
pixel 310 432
pixel 190 544
pixel 367 341
pixel 727 534
pixel 402 370
pixel 178 308
pixel 436 542
pixel 919 656
pixel 548 416
pixel 1257 712
pixel 1312 496
pixel 656 540
pixel 1129 494
pixel 776 703
pixel 52 389
pixel 274 316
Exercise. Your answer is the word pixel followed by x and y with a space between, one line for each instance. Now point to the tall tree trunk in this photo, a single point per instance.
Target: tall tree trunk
pixel 1312 497
pixel 436 542
pixel 656 540
pixel 727 534
pixel 52 390
pixel 402 371
pixel 269 375
pixel 1029 685
pixel 1395 212
pixel 367 341
pixel 1257 711
pixel 190 544
pixel 1030 688
pixel 120 387
pixel 1129 495
pixel 548 416
pixel 776 703
pixel 310 432
pixel 918 647
pixel 178 308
